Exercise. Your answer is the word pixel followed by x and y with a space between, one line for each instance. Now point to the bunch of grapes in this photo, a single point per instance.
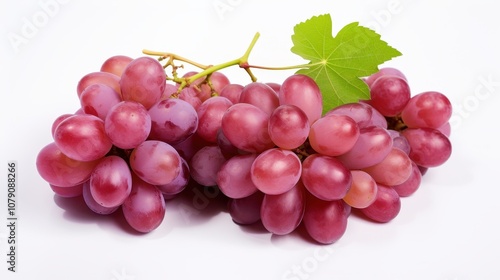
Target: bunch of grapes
pixel 138 141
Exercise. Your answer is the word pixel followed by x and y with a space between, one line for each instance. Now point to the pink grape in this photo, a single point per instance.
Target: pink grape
pixel 155 162
pixel 190 95
pixel 387 71
pixel 169 90
pixel 385 207
pixel 143 81
pixel 428 109
pixel 303 92
pixel 59 170
pixel 232 92
pixel 276 171
pixel 411 185
pixel 57 121
pixel 445 129
pixel 275 86
pixel 261 96
pixel 218 81
pixel 246 210
pixel 233 177
pixel 144 208
pixel 389 95
pixel 246 127
pixel 94 205
pixel 93 78
pixel 227 149
pixel 116 64
pixel 83 138
pixel 127 124
pixel 325 177
pixel 333 135
pixel 172 121
pixel 68 192
pixel 179 183
pixel 363 190
pixel 288 127
pixel 98 99
pixel 325 221
pixel 205 164
pixel 281 214
pixel 210 115
pixel 429 147
pixel 111 181
pixel 394 169
pixel 398 141
pixel 373 145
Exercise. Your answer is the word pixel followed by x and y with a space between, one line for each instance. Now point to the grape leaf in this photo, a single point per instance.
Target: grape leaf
pixel 338 63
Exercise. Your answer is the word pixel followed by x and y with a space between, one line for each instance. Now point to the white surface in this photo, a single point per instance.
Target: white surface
pixel 448 230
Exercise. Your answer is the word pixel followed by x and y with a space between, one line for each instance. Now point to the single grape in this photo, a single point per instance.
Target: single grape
pixel 373 145
pixel 303 92
pixel 155 162
pixel 246 127
pixel 172 120
pixel 360 112
pixel 68 192
pixel 218 81
pixel 94 205
pixel 281 214
pixel 385 207
pixel 333 135
pixel 111 181
pixel 169 90
pixel 428 109
pixel 394 169
pixel 398 141
pixel 260 95
pixel 144 208
pixel 325 177
pixel 190 95
pixel 275 86
pixel 227 149
pixel 445 129
pixel 288 127
pixel 233 177
pixel 387 71
pixel 116 64
pixel 98 99
pixel 389 95
pixel 105 78
pixel 276 171
pixel 59 170
pixel 127 124
pixel 190 146
pixel 429 147
pixel 179 183
pixel 82 138
pixel 411 185
pixel 210 115
pixel 232 92
pixel 363 190
pixel 57 121
pixel 325 221
pixel 246 210
pixel 205 164
pixel 143 81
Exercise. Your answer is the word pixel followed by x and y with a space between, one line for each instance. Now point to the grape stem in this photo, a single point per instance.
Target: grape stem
pixel 242 62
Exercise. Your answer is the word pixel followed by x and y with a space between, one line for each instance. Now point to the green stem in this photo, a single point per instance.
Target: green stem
pixel 242 62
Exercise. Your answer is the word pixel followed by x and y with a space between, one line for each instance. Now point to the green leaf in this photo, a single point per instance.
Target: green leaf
pixel 338 63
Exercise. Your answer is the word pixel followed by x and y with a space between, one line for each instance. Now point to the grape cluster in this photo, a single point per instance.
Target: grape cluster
pixel 139 141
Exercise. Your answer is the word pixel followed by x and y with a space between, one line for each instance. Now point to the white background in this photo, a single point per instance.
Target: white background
pixel 448 230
